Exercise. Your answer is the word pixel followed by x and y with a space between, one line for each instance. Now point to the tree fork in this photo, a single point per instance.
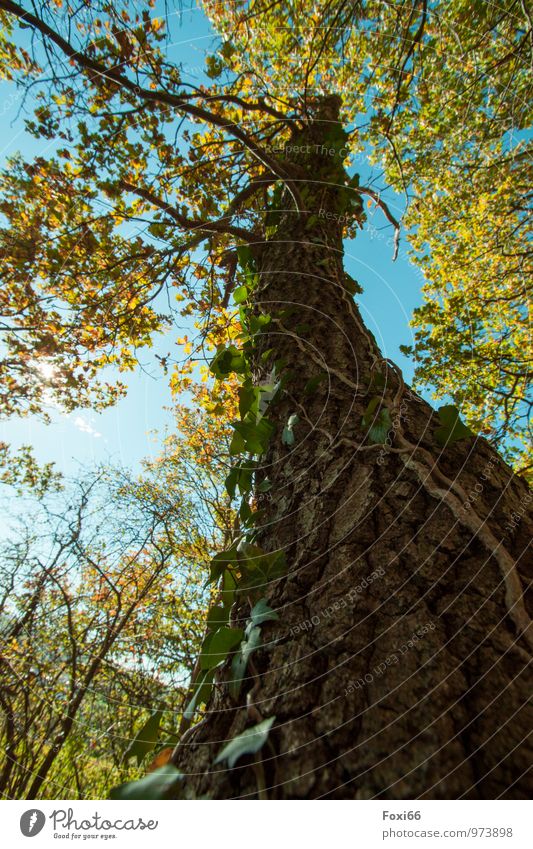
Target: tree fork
pixel 397 668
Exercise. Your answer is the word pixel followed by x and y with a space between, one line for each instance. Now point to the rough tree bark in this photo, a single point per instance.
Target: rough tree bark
pixel 397 668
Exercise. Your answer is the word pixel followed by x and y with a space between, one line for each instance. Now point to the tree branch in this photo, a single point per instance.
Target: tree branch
pixel 157 96
pixel 220 225
pixel 363 190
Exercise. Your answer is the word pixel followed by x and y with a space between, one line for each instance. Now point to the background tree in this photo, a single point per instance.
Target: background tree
pixel 102 613
pixel 371 616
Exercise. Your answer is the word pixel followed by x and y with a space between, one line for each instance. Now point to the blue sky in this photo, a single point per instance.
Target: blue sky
pixel 127 432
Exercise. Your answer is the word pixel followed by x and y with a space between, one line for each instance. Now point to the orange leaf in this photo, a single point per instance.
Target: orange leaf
pixel 161 758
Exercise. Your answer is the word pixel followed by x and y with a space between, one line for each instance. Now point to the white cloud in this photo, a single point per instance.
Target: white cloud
pixel 86 427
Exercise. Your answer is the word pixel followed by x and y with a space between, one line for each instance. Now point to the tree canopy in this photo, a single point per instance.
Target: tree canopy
pixel 148 166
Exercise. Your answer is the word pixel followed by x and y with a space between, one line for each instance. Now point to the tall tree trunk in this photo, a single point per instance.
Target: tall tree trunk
pixel 397 668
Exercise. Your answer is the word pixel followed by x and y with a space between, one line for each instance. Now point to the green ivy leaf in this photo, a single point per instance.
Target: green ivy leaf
pixel 245 511
pixel 245 477
pixel 218 645
pixel 377 381
pixel 240 294
pixel 238 670
pixel 155 785
pixel 244 256
pixel 258 322
pixel 202 691
pixel 368 415
pixel 247 743
pixel 267 393
pixel 261 612
pixel 231 481
pixel 379 424
pixel 248 399
pixel 237 444
pixel 217 617
pixel 145 739
pixel 229 588
pixel 261 569
pixel 252 641
pixel 451 428
pixel 220 562
pixel 256 434
pixel 227 361
pixel 240 660
pixel 380 428
pixel 287 437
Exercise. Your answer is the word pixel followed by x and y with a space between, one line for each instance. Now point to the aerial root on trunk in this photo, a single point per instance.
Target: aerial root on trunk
pixel 439 486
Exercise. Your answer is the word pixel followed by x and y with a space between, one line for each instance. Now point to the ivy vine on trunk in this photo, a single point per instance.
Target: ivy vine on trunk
pixel 395 659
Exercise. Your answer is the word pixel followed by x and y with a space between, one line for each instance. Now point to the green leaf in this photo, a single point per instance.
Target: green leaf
pixel 369 412
pixel 220 562
pixel 172 740
pixel 145 740
pixel 158 229
pixel 287 437
pixel 258 322
pixel 217 617
pixel 261 569
pixel 227 50
pixel 261 612
pixel 226 361
pixel 237 444
pixel 377 380
pixel 265 485
pixel 267 393
pixel 247 743
pixel 240 660
pixel 379 424
pixel 248 399
pixel 231 481
pixel 256 434
pixel 245 478
pixel 252 641
pixel 274 208
pixel 229 587
pixel 218 645
pixel 156 785
pixel 245 511
pixel 380 427
pixel 202 691
pixel 244 256
pixel 238 670
pixel 240 294
pixel 451 428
